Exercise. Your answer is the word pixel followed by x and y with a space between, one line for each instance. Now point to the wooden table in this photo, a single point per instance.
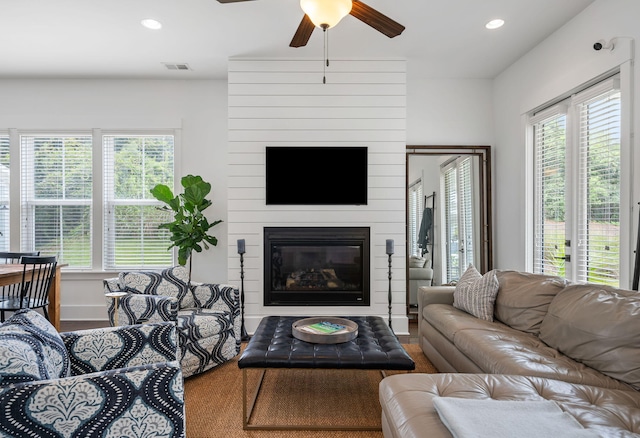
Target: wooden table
pixel 12 273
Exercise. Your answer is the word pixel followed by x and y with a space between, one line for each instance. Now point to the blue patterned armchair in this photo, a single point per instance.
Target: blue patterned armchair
pixel 110 382
pixel 207 316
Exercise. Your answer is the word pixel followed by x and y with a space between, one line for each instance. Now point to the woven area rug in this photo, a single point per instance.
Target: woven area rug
pixel 292 396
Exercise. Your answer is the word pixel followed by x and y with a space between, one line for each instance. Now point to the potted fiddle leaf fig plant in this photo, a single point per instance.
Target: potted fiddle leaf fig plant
pixel 189 228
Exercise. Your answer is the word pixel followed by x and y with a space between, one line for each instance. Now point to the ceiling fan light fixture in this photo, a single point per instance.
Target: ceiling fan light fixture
pixel 326 13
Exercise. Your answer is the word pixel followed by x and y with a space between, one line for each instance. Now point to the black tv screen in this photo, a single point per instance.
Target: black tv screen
pixel 316 175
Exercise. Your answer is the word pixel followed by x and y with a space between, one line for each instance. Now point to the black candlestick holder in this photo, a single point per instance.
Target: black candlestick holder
pixel 243 331
pixel 390 326
pixel 390 253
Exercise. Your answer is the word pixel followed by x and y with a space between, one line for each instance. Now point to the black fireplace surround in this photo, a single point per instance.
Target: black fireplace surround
pixel 316 266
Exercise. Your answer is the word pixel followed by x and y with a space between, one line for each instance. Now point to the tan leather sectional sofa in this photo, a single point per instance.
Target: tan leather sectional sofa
pixel 575 344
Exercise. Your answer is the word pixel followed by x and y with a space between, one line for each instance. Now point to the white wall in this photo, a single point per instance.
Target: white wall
pixel 448 111
pixel 285 103
pixel 561 63
pixel 197 108
pixel 437 112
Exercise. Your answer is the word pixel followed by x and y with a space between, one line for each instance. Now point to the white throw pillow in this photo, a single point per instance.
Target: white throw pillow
pixel 476 293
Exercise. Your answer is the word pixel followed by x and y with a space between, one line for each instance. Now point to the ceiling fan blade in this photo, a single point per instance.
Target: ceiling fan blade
pixel 302 35
pixel 375 19
pixel 233 1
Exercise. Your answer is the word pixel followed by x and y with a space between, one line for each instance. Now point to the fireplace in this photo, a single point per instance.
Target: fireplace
pixel 316 266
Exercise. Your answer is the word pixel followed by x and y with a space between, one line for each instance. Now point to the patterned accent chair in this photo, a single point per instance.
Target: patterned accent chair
pixel 207 315
pixel 109 382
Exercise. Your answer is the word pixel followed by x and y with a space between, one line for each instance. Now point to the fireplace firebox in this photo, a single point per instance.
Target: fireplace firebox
pixel 316 266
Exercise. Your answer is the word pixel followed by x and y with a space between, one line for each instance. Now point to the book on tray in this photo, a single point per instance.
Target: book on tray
pixel 324 328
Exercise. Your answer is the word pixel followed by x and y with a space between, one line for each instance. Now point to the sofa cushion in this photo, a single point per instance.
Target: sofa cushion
pixel 476 293
pixel 417 262
pixel 408 412
pixel 598 326
pixel 510 351
pixel 523 298
pixel 448 320
pixel 31 349
pixel 171 282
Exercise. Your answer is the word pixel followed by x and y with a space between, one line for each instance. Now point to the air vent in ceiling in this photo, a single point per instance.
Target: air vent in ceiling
pixel 176 66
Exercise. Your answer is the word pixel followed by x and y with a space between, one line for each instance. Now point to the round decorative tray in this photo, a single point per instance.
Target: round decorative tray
pixel 325 330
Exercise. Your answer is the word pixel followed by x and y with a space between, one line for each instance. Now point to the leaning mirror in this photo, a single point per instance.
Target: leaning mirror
pixel 448 214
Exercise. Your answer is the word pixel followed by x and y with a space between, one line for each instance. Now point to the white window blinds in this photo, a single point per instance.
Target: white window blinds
pixel 549 221
pixel 133 166
pixel 452 234
pixel 459 223
pixel 56 195
pixel 465 183
pixel 4 192
pixel 599 188
pixel 416 207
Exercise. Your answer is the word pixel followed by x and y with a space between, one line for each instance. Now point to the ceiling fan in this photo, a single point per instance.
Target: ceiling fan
pixel 358 9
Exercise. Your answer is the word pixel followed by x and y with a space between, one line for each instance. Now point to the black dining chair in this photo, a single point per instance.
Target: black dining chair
pixel 33 292
pixel 11 290
pixel 14 257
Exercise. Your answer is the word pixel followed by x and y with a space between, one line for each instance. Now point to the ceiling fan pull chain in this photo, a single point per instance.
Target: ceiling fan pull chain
pixel 326 54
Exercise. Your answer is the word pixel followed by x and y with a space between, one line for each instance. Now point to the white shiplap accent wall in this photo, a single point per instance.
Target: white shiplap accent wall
pixel 280 102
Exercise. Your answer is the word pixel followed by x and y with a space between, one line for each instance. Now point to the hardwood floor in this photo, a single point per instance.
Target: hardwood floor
pixel 70 326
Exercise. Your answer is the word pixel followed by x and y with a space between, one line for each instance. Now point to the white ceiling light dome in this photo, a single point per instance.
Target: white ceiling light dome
pixel 326 13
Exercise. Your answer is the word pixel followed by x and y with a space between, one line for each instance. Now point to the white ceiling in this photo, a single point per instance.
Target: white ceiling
pixel 104 39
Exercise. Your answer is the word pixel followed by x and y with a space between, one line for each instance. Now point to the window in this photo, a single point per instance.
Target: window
pixel 4 192
pixel 549 222
pixel 416 206
pixel 577 188
pixel 598 249
pixel 56 197
pixel 66 179
pixel 459 226
pixel 133 165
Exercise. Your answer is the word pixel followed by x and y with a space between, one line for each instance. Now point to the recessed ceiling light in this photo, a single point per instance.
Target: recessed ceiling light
pixel 494 24
pixel 150 23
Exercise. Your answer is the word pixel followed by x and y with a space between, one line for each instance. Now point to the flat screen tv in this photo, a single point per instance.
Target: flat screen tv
pixel 316 175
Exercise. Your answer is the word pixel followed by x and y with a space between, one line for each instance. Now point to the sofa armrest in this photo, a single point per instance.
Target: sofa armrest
pixel 435 295
pixel 98 404
pixel 120 347
pixel 139 309
pixel 222 298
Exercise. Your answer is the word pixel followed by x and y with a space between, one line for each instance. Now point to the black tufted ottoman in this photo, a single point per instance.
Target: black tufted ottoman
pixel 273 346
